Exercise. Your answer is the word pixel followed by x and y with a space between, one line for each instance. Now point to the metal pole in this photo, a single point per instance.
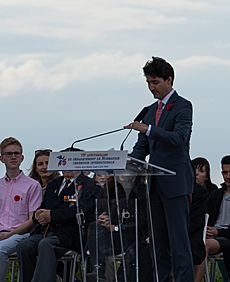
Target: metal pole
pixel 78 216
pixel 137 249
pixel 151 229
pixel 120 228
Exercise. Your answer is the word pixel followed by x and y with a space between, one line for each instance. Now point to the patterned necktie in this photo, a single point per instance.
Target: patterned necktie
pixel 64 186
pixel 158 112
pixel 67 182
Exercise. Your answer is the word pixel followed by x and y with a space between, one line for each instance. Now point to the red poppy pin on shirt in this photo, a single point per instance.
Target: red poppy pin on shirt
pixel 17 198
pixel 169 107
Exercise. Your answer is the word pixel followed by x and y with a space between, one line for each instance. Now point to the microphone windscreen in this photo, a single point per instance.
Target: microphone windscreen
pixel 142 114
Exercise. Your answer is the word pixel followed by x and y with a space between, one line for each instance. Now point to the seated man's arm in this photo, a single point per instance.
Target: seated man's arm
pixel 211 232
pixel 43 216
pixel 224 232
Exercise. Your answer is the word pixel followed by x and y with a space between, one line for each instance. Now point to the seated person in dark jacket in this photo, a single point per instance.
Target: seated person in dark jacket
pixel 128 189
pixel 218 231
pixel 196 229
pixel 56 227
pixel 197 214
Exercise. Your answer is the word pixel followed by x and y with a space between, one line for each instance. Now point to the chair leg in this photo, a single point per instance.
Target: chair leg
pixel 206 272
pixel 13 270
pixel 65 263
pixel 73 269
pixel 212 270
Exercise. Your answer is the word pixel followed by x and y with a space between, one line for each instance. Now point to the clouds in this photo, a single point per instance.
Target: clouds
pixel 44 72
pixel 81 61
pixel 41 73
pixel 198 61
pixel 87 20
pixel 78 20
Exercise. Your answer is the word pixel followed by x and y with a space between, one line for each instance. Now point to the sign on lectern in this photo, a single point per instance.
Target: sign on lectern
pixel 87 160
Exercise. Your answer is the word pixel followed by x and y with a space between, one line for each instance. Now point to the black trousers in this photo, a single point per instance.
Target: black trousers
pixel 225 248
pixel 170 217
pixel 38 258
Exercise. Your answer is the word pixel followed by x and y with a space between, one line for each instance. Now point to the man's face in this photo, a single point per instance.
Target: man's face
pixel 158 86
pixel 12 156
pixel 70 174
pixel 226 174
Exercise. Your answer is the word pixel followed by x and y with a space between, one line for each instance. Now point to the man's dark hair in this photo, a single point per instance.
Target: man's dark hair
pixel 71 149
pixel 225 160
pixel 159 67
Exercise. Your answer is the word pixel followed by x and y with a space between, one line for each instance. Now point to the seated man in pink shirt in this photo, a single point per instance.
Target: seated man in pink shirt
pixel 20 196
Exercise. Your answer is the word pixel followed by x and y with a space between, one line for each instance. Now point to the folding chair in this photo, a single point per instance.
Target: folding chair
pixel 213 261
pixel 13 265
pixel 72 257
pixel 206 271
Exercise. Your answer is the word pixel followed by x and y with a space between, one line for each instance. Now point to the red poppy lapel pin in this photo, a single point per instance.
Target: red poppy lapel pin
pixel 169 107
pixel 79 187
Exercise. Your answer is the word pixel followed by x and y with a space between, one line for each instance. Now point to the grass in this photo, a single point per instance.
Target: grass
pixel 219 277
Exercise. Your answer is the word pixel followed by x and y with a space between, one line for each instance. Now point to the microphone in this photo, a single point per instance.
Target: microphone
pixel 139 118
pixel 95 136
pixel 142 114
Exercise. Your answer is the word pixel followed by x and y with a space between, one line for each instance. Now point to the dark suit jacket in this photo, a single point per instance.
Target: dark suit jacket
pixel 63 213
pixel 168 145
pixel 214 202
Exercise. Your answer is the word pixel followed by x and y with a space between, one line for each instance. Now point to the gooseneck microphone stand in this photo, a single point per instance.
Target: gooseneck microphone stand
pixel 95 136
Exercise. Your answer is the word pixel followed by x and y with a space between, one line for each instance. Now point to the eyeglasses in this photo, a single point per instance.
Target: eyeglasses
pixel 11 154
pixel 42 151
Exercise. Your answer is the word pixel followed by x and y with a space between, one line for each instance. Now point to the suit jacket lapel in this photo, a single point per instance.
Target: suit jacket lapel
pixel 166 111
pixel 57 184
pixel 67 190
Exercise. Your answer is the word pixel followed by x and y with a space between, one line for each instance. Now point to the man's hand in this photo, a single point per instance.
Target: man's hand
pixel 211 232
pixel 103 220
pixel 43 216
pixel 136 125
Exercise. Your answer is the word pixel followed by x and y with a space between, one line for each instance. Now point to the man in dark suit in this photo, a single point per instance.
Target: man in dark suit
pixel 218 230
pixel 164 134
pixel 56 226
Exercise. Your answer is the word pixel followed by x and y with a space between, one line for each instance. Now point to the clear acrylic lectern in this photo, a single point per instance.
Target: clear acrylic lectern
pixel 121 233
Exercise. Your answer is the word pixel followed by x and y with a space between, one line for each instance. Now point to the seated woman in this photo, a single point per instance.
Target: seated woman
pixel 39 171
pixel 203 178
pixel 202 190
pixel 197 223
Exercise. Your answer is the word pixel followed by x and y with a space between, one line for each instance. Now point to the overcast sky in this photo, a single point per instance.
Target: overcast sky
pixel 71 69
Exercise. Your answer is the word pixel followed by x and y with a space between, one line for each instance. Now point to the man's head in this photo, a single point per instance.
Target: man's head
pixel 71 174
pixel 225 165
pixel 11 153
pixel 159 76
